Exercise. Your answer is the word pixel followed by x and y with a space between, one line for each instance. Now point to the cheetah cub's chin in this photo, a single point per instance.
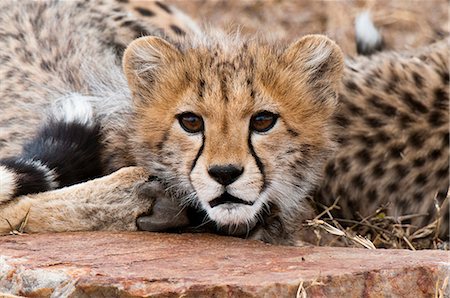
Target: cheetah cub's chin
pixel 235 126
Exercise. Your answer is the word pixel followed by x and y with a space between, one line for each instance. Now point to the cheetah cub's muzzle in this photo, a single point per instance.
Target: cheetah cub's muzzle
pixel 225 175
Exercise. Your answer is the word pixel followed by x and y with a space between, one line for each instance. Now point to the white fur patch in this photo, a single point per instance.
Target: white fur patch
pixel 74 108
pixel 49 175
pixel 233 214
pixel 321 53
pixel 365 30
pixel 7 184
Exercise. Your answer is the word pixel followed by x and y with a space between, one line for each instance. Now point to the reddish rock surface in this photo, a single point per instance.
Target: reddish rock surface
pixel 107 264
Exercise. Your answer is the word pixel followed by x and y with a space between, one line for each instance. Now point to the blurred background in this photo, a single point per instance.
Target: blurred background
pixel 404 24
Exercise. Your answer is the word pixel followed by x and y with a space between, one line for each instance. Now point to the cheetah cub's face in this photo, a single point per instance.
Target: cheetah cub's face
pixel 235 127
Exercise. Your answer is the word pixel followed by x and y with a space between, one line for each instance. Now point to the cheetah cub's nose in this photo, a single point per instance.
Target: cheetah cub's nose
pixel 225 175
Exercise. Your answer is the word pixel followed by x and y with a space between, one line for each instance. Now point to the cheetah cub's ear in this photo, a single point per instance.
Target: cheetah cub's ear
pixel 144 60
pixel 317 60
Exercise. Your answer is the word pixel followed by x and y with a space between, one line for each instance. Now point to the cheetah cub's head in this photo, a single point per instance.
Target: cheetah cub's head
pixel 234 126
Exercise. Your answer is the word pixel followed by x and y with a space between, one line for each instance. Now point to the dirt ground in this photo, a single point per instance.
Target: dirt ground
pixel 403 23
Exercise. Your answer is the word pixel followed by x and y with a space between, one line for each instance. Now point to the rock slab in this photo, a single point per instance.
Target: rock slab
pixel 139 264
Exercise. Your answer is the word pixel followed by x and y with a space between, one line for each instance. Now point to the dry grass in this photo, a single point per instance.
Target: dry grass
pixel 378 230
pixel 441 288
pixel 302 289
pixel 20 229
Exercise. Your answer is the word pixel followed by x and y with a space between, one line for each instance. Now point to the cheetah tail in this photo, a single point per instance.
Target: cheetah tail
pixel 368 38
pixel 66 150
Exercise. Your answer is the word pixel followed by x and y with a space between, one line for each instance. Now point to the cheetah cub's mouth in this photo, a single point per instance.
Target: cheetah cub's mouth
pixel 226 198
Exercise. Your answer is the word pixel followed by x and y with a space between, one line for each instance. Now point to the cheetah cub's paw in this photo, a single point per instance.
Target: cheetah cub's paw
pixel 166 214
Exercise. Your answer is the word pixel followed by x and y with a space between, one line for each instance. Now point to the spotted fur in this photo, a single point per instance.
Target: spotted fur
pixel 394 137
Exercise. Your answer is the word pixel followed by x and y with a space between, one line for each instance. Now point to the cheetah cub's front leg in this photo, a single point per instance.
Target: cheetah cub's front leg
pixel 108 203
pixel 113 202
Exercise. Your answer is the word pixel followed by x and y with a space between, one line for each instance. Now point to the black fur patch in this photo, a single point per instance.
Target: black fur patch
pixel 177 30
pixel 378 170
pixel 405 120
pixel 374 122
pixel 330 170
pixel 413 103
pixel 72 150
pixel 372 195
pixel 259 164
pixel 401 170
pixel 200 151
pixel 118 48
pixel 140 30
pixel 163 7
pixel 442 173
pixel 292 132
pixel 160 144
pixel 419 162
pixel 127 23
pixel 421 179
pixel 445 139
pixel 145 12
pixel 45 65
pixel 418 79
pixel 252 91
pixel 223 87
pixel 341 192
pixel 342 121
pixel 344 165
pixel 363 49
pixel 435 154
pixel 369 141
pixel 418 197
pixel 382 137
pixel 352 86
pixel 396 150
pixel 354 109
pixel 118 18
pixel 363 156
pixel 342 140
pixel 440 99
pixel 445 77
pixel 416 139
pixel 358 182
pixel 385 108
pixel 437 118
pixel 392 188
pixel 30 179
pixel 201 88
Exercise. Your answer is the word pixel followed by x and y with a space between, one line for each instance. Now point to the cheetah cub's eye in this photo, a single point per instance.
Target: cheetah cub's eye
pixel 191 122
pixel 263 121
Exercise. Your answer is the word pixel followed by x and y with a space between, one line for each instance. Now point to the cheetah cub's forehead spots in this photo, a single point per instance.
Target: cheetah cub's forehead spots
pixel 248 119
